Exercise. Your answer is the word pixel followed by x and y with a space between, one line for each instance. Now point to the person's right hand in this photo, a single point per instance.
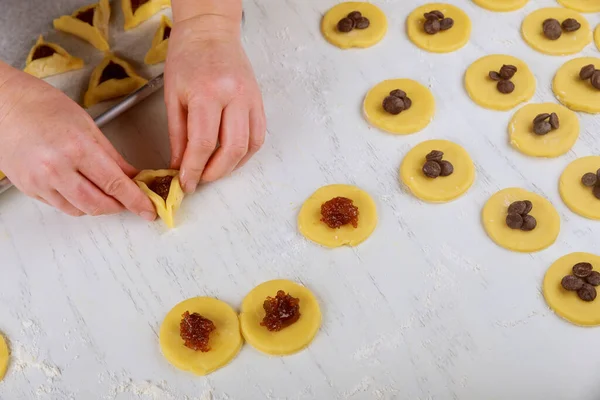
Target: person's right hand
pixel 51 150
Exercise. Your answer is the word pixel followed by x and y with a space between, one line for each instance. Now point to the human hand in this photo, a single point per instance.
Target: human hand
pixel 212 97
pixel 51 150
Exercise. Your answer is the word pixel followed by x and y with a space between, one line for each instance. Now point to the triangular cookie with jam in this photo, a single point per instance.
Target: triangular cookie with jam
pixel 138 11
pixel 47 59
pixel 160 43
pixel 111 79
pixel 89 23
pixel 164 190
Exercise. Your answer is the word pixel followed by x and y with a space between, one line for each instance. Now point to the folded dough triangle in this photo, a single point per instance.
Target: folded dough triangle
pixel 138 11
pixel 111 79
pixel 89 23
pixel 165 207
pixel 160 43
pixel 47 59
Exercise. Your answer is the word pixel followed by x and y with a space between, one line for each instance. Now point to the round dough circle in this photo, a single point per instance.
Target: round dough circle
pixel 443 41
pixel 597 36
pixel 554 143
pixel 567 304
pixel 576 196
pixel 501 5
pixel 4 357
pixel 494 221
pixel 441 189
pixel 225 341
pixel 289 340
pixel 482 89
pixel 311 226
pixel 568 43
pixel 586 6
pixel 572 91
pixel 417 117
pixel 357 37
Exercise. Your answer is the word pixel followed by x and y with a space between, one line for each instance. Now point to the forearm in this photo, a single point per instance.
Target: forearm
pixel 218 15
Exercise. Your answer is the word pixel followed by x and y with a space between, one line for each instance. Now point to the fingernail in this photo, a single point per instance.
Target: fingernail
pixel 190 186
pixel 148 216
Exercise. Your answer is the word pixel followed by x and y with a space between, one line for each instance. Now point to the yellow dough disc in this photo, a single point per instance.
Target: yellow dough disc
pixel 578 197
pixel 444 188
pixel 501 5
pixel 4 357
pixel 89 23
pixel 494 221
pixel 482 89
pixel 572 91
pixel 597 36
pixel 565 303
pixel 417 117
pixel 290 339
pixel 554 143
pixel 225 341
pixel 160 42
pixel 165 209
pixel 311 226
pixel 568 43
pixel 443 41
pixel 47 59
pixel 586 6
pixel 142 12
pixel 357 37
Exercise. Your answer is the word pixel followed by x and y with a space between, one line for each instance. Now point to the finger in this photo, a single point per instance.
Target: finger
pixel 176 117
pixel 257 135
pixel 85 196
pixel 203 123
pixel 57 201
pixel 233 140
pixel 104 172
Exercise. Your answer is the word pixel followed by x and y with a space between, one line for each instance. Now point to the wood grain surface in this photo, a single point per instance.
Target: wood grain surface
pixel 428 308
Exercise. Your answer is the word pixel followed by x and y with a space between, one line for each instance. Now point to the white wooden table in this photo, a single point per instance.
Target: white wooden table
pixel 427 308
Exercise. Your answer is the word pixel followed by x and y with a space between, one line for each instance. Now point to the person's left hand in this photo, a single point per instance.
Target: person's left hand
pixel 212 97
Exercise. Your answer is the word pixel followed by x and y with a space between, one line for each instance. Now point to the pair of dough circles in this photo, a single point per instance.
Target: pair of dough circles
pixel 568 43
pixel 574 92
pixel 578 197
pixel 567 304
pixel 226 340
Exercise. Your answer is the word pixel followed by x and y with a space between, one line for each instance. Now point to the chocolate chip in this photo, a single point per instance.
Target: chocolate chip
pixel 593 278
pixel 434 155
pixel 529 223
pixel 407 103
pixel 518 207
pixel 495 76
pixel 554 122
pixel 587 72
pixel 432 169
pixel 590 179
pixel 541 117
pixel 598 173
pixel 596 191
pixel 362 23
pixel 355 16
pixel 514 221
pixel 587 292
pixel 447 168
pixel 446 24
pixel 398 93
pixel 570 25
pixel 552 29
pixel 571 283
pixel 434 14
pixel 528 206
pixel 508 71
pixel 596 79
pixel 432 26
pixel 542 128
pixel 582 269
pixel 393 105
pixel 345 25
pixel 505 87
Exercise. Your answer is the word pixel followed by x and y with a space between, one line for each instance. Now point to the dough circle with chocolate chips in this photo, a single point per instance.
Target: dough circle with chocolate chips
pixel 444 188
pixel 501 5
pixel 597 36
pixel 311 226
pixel 586 6
pixel 417 117
pixel 444 41
pixel 494 221
pixel 290 339
pixel 574 92
pixel 565 303
pixel 225 341
pixel 568 43
pixel 554 143
pixel 578 197
pixel 357 37
pixel 4 357
pixel 482 89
